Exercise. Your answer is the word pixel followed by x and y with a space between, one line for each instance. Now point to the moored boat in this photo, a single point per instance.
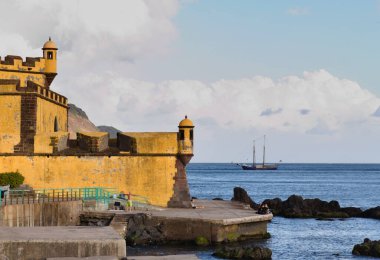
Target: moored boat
pixel 254 166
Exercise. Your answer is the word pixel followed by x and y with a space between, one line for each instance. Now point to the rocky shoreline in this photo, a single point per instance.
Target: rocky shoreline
pixel 367 248
pixel 297 207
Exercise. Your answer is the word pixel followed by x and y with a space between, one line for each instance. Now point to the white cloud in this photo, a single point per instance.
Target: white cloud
pixel 90 32
pixel 297 11
pixel 100 42
pixel 331 103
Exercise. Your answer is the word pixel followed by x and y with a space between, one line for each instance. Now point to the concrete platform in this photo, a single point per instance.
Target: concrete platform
pixel 213 219
pixel 216 212
pixel 165 257
pixel 44 242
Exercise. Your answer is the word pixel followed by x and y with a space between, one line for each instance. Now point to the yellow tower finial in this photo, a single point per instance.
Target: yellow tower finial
pixel 50 56
pixel 186 135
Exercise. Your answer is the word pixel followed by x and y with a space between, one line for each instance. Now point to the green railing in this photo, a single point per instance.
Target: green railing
pixel 97 194
pixel 138 202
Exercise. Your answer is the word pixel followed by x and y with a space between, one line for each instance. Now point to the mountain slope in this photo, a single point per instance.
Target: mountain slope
pixel 79 121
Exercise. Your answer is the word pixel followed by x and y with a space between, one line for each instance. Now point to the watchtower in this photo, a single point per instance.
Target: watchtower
pixel 185 139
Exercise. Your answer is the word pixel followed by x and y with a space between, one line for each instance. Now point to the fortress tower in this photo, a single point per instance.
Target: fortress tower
pixel 34 140
pixel 32 116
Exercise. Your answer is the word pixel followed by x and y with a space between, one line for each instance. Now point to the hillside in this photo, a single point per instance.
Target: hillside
pixel 79 121
pixel 110 129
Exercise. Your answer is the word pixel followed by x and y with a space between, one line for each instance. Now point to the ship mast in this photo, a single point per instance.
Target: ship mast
pixel 254 154
pixel 264 152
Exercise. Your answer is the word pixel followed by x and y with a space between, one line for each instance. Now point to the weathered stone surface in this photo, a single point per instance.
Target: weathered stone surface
pixel 243 252
pixel 95 219
pixel 37 243
pixel 141 231
pixel 241 195
pixel 367 248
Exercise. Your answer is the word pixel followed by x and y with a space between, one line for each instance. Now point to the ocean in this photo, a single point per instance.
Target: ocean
pixel 355 185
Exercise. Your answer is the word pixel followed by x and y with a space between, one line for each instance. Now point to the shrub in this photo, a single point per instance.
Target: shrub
pixel 201 241
pixel 14 179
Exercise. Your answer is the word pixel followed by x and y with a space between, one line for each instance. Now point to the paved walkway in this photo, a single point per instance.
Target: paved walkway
pixel 213 211
pixel 166 257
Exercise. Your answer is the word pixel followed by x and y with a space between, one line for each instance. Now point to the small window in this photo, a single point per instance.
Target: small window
pixel 50 55
pixel 181 135
pixel 56 124
pixel 191 135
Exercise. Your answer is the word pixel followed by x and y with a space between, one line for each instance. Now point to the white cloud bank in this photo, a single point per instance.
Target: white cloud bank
pixel 100 41
pixel 316 103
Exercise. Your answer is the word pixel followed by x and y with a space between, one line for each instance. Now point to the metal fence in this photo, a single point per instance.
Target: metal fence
pixel 97 194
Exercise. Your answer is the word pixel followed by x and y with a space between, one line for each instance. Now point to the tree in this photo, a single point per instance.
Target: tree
pixel 14 179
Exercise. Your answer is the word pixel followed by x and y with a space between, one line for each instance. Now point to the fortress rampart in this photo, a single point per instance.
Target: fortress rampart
pixel 34 140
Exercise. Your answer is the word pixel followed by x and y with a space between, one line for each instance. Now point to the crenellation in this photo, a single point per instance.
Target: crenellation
pixel 12 60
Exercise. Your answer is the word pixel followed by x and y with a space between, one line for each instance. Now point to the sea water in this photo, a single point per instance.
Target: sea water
pixel 356 185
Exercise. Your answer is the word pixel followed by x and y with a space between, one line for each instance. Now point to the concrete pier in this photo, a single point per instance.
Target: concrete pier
pixel 215 220
pixel 26 243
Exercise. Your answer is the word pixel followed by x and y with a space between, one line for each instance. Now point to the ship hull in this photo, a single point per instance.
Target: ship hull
pixel 260 167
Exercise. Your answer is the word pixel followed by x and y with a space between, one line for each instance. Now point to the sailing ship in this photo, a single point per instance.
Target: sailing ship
pixel 256 166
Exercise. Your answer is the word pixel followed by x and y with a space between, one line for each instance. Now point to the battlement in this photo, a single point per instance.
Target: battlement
pixel 12 87
pixel 31 64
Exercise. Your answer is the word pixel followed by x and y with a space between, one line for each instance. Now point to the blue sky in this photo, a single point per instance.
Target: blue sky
pixel 305 73
pixel 234 39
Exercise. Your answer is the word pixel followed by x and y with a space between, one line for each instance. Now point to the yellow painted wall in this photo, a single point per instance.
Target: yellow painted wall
pixel 10 120
pixel 46 112
pixel 149 176
pixel 150 142
pixel 50 142
pixel 39 78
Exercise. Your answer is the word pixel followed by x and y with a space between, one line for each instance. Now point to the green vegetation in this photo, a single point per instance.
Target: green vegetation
pixel 201 241
pixel 232 237
pixel 14 179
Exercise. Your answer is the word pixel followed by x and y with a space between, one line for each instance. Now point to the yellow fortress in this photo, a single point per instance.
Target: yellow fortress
pixel 34 140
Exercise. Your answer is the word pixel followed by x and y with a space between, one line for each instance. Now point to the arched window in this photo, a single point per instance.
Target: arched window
pixel 50 55
pixel 56 124
pixel 181 135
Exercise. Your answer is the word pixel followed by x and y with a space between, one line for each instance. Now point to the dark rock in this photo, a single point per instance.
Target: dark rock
pixel 275 205
pixel 241 195
pixel 352 211
pixel 141 231
pixel 325 219
pixel 297 207
pixel 371 213
pixel 243 252
pixel 217 199
pixel 367 248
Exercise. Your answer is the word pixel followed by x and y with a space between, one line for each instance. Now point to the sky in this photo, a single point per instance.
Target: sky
pixel 303 73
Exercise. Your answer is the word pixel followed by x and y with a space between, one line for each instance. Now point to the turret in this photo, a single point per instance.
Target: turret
pixel 50 55
pixel 185 139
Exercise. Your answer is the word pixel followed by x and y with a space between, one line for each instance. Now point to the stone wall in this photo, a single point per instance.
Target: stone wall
pixel 41 214
pixel 155 177
pixel 148 143
pixel 10 121
pixel 93 141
